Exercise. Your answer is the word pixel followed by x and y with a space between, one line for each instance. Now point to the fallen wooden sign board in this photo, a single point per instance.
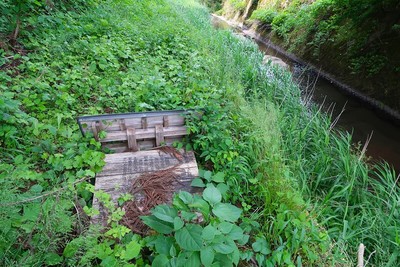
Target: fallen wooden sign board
pixel 143 152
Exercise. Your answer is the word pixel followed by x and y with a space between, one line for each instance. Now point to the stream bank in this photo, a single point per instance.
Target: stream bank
pixel 360 115
pixel 358 51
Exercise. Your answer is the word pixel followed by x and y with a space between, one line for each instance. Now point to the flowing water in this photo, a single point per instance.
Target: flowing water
pixel 355 116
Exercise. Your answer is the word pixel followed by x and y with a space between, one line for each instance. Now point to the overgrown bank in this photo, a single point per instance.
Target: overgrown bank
pixel 355 41
pixel 265 149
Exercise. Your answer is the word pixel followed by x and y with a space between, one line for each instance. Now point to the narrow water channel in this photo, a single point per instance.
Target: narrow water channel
pixel 355 117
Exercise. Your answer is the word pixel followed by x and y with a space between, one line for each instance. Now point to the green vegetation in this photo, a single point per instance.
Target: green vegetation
pixel 349 39
pixel 280 187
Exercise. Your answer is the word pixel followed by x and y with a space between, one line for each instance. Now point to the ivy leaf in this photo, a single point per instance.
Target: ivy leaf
pixel 227 212
pixel 158 225
pixel 189 237
pixel 207 256
pixel 212 195
pixel 165 213
pixel 219 177
pixel 197 182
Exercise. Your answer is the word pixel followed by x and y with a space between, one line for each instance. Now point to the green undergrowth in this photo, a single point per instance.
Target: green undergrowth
pixel 279 188
pixel 346 38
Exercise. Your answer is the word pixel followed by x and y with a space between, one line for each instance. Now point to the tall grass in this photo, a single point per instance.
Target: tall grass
pixel 357 202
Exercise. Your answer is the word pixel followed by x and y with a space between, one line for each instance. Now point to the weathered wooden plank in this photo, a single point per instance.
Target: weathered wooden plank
pixel 121 146
pixel 115 124
pixel 122 169
pixel 145 134
pixel 144 161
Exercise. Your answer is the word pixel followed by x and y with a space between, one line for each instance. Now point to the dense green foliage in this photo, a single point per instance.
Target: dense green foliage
pixel 347 38
pixel 261 145
pixel 18 15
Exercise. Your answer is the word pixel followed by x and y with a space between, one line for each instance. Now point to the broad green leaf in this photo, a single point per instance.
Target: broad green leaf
pixel 223 260
pixel 223 188
pixel 160 261
pixel 103 251
pixel 235 256
pixel 225 227
pixel 209 233
pixel 219 177
pixel 207 256
pixel 236 233
pixel 178 223
pixel 207 175
pixel 93 66
pixel 189 237
pixel 197 182
pixel 224 245
pixel 165 213
pixel 109 261
pixel 188 216
pixel 53 259
pixel 158 225
pixel 202 205
pixel 260 258
pixel 186 197
pixel 163 244
pixel 132 250
pixel 261 245
pixel 172 251
pixel 212 195
pixel 227 212
pixel 179 204
pixel 189 258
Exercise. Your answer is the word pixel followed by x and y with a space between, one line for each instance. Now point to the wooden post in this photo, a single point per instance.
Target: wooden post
pixel 144 123
pixel 95 131
pixel 122 125
pixel 360 254
pixel 131 136
pixel 159 135
pixel 165 121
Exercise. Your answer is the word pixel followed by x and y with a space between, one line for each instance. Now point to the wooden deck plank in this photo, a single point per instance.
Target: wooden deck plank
pixel 122 169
